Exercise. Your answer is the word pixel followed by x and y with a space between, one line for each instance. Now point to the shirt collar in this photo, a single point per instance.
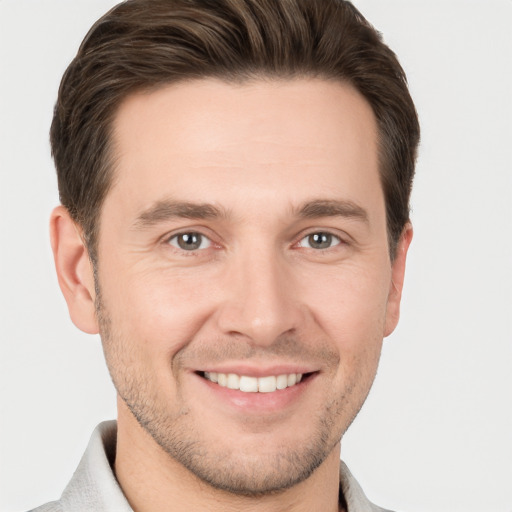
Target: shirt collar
pixel 94 486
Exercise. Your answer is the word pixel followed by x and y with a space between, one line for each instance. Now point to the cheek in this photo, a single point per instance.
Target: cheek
pixel 158 311
pixel 351 307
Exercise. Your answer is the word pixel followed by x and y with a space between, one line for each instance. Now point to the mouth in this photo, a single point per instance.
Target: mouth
pixel 249 384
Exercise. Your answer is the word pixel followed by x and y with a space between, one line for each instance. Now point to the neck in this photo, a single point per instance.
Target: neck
pixel 152 481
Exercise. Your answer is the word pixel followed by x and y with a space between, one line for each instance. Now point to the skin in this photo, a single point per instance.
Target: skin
pixel 275 162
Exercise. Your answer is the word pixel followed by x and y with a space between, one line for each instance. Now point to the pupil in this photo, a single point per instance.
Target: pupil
pixel 320 240
pixel 189 241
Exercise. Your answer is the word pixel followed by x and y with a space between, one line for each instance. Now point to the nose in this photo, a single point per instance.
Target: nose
pixel 260 300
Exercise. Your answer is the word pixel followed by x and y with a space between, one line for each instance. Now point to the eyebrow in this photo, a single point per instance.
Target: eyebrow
pixel 164 210
pixel 332 208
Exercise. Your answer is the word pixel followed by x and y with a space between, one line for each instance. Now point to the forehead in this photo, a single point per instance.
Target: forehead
pixel 208 140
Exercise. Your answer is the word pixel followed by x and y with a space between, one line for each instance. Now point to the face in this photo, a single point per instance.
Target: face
pixel 244 274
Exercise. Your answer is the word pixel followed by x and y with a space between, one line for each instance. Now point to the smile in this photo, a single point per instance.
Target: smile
pixel 248 384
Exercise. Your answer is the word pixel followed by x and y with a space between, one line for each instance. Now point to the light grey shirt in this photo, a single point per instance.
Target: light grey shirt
pixel 94 486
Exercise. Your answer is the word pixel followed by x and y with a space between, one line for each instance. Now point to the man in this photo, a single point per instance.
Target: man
pixel 235 179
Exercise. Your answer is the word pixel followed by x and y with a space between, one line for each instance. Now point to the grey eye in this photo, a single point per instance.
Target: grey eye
pixel 190 241
pixel 319 240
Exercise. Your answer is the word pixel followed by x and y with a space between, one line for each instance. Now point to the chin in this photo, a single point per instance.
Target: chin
pixel 253 465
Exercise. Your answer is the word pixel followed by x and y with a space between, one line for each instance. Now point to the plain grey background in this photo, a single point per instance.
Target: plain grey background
pixel 436 431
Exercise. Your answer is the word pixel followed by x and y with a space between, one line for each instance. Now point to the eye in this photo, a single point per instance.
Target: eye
pixel 319 240
pixel 190 241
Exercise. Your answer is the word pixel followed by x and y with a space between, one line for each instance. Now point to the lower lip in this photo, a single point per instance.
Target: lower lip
pixel 259 403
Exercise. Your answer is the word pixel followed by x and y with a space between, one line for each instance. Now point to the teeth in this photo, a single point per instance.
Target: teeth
pixel 267 384
pixel 248 384
pixel 254 384
pixel 233 381
pixel 222 379
pixel 282 381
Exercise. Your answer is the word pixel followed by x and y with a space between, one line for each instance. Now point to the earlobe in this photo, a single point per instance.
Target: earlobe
pixel 397 280
pixel 74 270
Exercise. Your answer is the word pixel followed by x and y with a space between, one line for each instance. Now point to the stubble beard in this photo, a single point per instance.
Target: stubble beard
pixel 223 468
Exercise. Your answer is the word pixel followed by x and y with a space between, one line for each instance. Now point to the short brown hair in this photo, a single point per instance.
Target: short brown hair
pixel 143 44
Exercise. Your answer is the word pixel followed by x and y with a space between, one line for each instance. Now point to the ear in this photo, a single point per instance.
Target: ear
pixel 74 270
pixel 397 281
